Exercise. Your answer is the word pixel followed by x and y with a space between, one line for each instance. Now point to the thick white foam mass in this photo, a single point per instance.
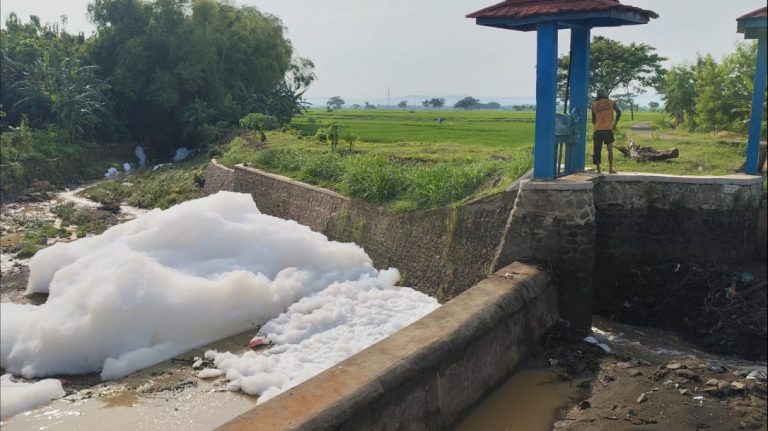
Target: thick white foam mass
pixel 322 330
pixel 16 397
pixel 168 281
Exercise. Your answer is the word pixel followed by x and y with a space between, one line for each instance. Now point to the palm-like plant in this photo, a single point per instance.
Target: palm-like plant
pixel 80 97
pixel 70 91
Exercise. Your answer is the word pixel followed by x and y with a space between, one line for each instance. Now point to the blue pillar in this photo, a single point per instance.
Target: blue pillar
pixel 575 157
pixel 544 153
pixel 753 144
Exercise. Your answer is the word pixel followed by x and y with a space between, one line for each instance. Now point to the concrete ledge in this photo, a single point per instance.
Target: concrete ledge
pixel 292 181
pixel 557 184
pixel 429 373
pixel 736 179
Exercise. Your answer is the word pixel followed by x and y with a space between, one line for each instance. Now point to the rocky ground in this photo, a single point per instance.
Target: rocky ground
pixel 644 386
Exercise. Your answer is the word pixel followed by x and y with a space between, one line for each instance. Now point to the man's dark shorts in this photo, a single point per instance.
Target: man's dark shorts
pixel 600 137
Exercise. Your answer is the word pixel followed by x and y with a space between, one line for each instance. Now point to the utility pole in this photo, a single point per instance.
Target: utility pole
pixel 387 97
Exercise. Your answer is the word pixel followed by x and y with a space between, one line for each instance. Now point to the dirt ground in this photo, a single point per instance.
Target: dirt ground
pixel 638 387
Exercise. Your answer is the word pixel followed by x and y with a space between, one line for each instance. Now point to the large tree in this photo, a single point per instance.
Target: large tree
pixel 169 61
pixel 437 102
pixel 679 94
pixel 335 102
pixel 466 103
pixel 625 69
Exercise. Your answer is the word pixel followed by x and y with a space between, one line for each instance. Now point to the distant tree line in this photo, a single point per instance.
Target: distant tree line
pixel 164 73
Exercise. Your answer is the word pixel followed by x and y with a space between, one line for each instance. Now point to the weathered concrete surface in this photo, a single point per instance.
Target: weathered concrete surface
pixel 440 252
pixel 217 178
pixel 553 222
pixel 645 219
pixel 426 375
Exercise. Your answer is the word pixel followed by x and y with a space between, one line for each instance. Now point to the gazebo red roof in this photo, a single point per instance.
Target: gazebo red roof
pixel 760 13
pixel 520 9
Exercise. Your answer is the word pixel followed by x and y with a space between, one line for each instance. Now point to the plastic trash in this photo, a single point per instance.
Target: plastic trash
pixel 746 277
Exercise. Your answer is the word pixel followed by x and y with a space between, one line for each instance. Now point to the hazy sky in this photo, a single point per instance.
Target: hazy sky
pixel 427 47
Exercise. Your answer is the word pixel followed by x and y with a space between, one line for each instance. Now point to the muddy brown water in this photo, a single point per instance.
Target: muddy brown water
pixel 528 401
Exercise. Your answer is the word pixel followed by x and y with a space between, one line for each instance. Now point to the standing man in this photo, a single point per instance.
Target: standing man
pixel 604 124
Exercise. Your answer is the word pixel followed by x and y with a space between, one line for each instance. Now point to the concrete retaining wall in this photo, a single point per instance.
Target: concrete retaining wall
pixel 441 252
pixel 426 375
pixel 554 222
pixel 645 219
pixel 217 178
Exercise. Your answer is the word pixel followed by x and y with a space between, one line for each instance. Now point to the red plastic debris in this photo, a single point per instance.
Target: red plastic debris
pixel 257 341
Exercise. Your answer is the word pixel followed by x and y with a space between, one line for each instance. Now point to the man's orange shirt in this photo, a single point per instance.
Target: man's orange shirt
pixel 603 109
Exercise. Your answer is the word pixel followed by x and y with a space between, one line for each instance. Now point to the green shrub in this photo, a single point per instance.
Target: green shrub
pixel 109 192
pixel 373 178
pixel 323 168
pixel 442 184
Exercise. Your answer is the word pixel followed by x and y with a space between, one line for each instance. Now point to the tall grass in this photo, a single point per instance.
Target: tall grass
pixel 401 184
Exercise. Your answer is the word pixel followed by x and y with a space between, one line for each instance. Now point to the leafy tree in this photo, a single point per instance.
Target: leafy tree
pixel 286 99
pixel 612 65
pixel 437 102
pixel 466 103
pixel 427 103
pixel 355 106
pixel 403 104
pixel 257 121
pixel 163 55
pixel 369 105
pixel 335 102
pixel 679 94
pixel 654 106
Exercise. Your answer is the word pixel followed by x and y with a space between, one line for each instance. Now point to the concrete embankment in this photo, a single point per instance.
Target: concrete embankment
pixel 425 376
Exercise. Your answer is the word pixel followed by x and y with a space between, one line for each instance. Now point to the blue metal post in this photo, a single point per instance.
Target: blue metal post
pixel 753 144
pixel 575 157
pixel 544 153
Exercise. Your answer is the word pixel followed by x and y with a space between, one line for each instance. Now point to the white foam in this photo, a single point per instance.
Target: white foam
pixel 322 330
pixel 166 282
pixel 142 155
pixel 16 397
pixel 181 154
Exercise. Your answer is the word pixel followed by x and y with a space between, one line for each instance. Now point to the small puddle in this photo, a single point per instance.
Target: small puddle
pixel 528 401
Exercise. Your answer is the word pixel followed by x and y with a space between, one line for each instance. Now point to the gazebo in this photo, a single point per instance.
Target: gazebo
pixel 753 25
pixel 547 17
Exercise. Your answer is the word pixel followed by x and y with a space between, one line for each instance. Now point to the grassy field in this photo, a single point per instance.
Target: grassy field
pixel 498 134
pixel 418 160
pixel 494 129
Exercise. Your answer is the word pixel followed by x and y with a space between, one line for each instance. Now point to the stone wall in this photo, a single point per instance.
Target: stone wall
pixel 217 178
pixel 553 222
pixel 645 219
pixel 441 252
pixel 426 375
